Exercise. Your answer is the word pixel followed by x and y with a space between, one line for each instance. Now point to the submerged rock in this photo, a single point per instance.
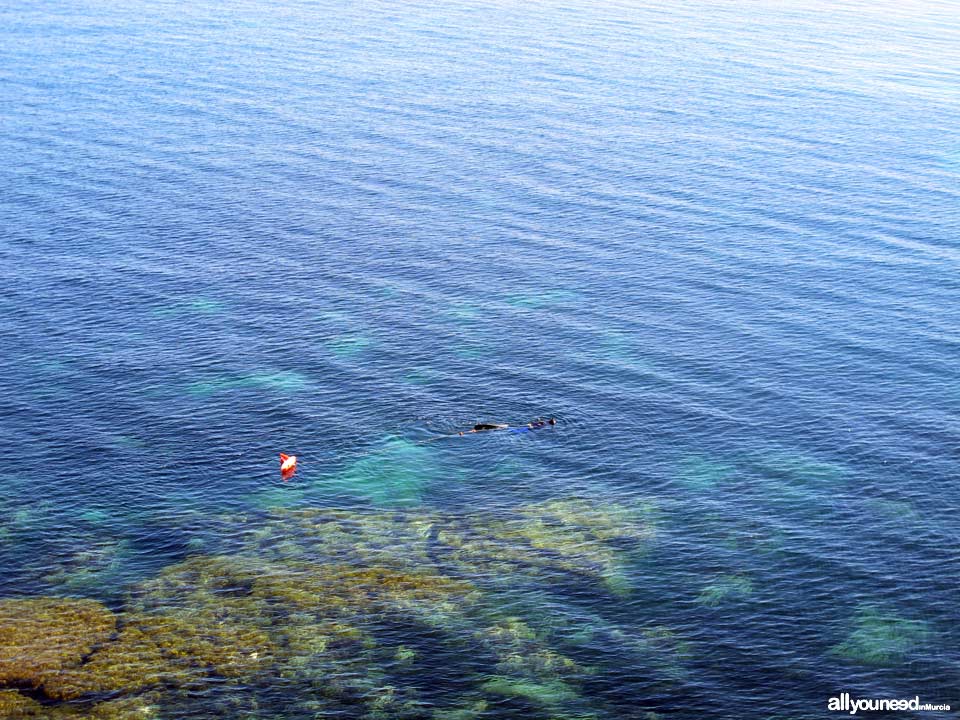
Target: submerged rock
pixel 881 637
pixel 140 707
pixel 469 711
pixel 573 537
pixel 41 637
pixel 702 474
pixel 391 475
pixel 550 694
pixel 348 612
pixel 15 705
pixel 128 664
pixel 347 346
pixel 543 541
pixel 725 588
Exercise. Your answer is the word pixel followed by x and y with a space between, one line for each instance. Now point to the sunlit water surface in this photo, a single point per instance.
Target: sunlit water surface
pixel 716 240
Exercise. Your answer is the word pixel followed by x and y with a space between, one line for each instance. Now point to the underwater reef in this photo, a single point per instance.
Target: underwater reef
pixel 882 638
pixel 43 636
pixel 351 613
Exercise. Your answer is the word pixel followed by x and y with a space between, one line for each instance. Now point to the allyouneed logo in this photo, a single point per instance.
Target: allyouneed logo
pixel 844 703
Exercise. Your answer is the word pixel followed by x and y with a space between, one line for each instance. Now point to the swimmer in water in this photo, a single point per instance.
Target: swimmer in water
pixel 483 427
pixel 532 425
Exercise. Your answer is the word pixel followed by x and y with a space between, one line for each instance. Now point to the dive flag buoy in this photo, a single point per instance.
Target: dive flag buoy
pixel 288 466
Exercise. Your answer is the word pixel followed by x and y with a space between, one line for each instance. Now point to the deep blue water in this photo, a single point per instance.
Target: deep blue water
pixel 717 240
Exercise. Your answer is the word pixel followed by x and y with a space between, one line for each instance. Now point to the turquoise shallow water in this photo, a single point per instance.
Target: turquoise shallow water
pixel 718 241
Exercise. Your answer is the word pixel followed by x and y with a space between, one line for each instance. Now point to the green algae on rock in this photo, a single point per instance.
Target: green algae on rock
pixel 881 637
pixel 344 588
pixel 70 648
pixel 139 707
pixel 307 622
pixel 569 536
pixel 14 705
pixel 725 588
pixel 43 636
pixel 550 694
pixel 468 711
pixel 128 664
pixel 522 652
pixel 98 563
pixel 312 600
pixel 542 541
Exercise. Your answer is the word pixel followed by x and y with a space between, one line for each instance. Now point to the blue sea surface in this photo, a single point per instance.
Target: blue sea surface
pixel 719 241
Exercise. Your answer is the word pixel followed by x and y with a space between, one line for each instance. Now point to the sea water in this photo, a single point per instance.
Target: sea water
pixel 716 240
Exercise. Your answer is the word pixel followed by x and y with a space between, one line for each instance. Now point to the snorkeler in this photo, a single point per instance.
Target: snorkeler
pixel 536 424
pixel 540 422
pixel 532 425
pixel 483 427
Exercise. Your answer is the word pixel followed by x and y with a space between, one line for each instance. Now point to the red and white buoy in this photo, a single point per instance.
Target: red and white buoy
pixel 288 466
